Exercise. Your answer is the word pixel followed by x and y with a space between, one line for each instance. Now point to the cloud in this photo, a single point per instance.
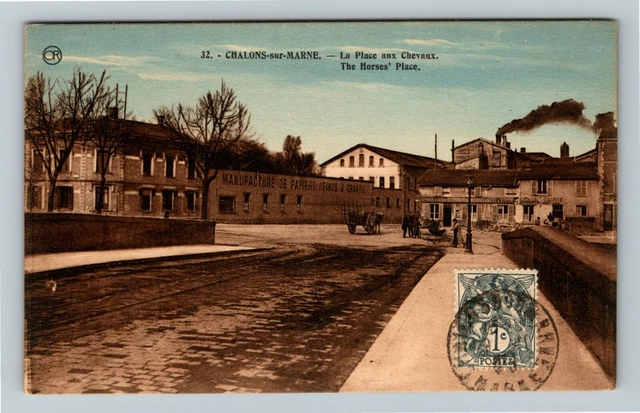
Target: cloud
pixel 370 87
pixel 431 42
pixel 113 60
pixel 175 76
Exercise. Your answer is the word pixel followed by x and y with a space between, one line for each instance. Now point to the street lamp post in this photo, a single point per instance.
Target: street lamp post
pixel 469 240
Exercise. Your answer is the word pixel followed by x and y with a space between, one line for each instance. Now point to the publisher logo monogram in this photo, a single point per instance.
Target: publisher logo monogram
pixel 52 55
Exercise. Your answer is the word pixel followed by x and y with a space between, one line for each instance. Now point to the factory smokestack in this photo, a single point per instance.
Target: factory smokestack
pixel 568 111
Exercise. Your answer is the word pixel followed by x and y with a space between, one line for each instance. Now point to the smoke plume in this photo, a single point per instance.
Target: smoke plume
pixel 567 111
pixel 605 125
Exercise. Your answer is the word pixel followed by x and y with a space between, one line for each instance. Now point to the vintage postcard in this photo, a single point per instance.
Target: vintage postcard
pixel 417 206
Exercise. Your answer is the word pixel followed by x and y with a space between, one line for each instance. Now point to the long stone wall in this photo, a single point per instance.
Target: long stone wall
pixel 57 232
pixel 578 278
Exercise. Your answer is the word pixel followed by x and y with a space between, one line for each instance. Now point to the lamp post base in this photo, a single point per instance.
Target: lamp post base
pixel 469 243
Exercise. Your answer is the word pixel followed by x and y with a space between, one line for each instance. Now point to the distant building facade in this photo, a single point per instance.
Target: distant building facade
pixel 395 172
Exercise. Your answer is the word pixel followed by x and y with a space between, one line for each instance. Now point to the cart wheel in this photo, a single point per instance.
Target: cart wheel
pixel 370 229
pixel 352 228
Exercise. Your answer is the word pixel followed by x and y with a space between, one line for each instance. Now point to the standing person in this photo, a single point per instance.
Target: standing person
pixel 405 226
pixel 416 227
pixel 456 232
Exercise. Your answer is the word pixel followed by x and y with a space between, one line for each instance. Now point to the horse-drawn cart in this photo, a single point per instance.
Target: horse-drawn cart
pixel 353 217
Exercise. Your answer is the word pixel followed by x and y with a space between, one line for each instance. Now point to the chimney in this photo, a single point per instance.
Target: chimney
pixel 498 139
pixel 113 112
pixel 523 150
pixel 160 119
pixel 453 150
pixel 564 150
pixel 508 144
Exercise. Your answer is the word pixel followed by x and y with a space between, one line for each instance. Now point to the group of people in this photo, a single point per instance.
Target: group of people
pixel 411 224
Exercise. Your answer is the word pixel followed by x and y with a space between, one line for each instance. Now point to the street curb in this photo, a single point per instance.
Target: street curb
pixel 59 272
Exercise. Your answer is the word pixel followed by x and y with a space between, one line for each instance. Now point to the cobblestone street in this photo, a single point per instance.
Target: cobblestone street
pixel 294 317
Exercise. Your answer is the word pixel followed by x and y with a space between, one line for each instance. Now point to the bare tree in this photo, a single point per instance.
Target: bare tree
pixel 56 114
pixel 33 172
pixel 208 133
pixel 107 133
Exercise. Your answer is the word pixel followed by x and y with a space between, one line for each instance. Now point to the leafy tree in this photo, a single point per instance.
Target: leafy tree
pixel 56 116
pixel 292 160
pixel 209 133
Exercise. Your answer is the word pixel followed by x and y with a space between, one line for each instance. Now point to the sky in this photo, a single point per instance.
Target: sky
pixel 485 75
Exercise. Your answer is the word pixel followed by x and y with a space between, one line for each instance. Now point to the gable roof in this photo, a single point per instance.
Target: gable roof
pixel 483 140
pixel 402 158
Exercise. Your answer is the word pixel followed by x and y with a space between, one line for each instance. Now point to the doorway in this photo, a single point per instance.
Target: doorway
pixel 607 224
pixel 446 216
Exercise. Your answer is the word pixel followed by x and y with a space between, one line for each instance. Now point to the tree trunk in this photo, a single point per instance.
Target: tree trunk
pixel 204 213
pixel 52 186
pixel 100 198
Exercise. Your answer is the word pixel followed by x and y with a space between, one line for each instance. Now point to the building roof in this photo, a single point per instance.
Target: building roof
pixel 459 177
pixel 509 177
pixel 560 170
pixel 536 156
pixel 402 158
pixel 483 140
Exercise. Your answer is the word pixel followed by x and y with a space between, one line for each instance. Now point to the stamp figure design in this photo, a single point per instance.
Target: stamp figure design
pixel 496 323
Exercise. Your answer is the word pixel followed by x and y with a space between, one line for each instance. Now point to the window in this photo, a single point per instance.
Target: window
pixel 415 205
pixel 351 178
pixel 434 211
pixel 102 161
pixel 581 188
pixel 392 182
pixel 477 191
pixel 283 199
pixel 502 213
pixel 265 203
pixel 437 191
pixel 557 211
pixel 511 191
pixel 496 155
pixel 36 162
pixel 388 202
pixel 361 160
pixel 381 182
pixel 145 199
pixel 192 201
pixel 581 210
pixel 527 213
pixel 407 205
pixel 541 186
pixel 247 198
pixel 352 162
pixel 446 191
pixel 474 213
pixel 372 179
pixel 341 162
pixel 167 200
pixel 381 161
pixel 397 202
pixel 191 168
pixel 371 161
pixel 361 178
pixel 377 201
pixel 34 198
pixel 147 162
pixel 65 165
pixel 169 166
pixel 299 203
pixel 65 197
pixel 105 197
pixel 227 204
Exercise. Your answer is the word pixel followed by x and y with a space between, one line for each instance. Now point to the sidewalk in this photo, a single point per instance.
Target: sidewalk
pixel 411 352
pixel 47 262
